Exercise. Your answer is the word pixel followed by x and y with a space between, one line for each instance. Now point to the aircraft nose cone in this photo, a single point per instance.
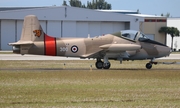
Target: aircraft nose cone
pixel 164 50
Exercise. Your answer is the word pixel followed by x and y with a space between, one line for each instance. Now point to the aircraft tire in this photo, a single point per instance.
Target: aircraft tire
pixel 106 66
pixel 99 64
pixel 148 65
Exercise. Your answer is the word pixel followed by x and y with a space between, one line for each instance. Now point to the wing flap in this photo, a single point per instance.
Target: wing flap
pixel 120 47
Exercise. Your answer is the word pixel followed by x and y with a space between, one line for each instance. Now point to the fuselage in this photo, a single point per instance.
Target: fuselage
pixel 90 48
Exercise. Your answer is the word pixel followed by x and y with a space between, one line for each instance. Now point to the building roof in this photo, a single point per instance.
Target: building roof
pixel 63 13
pixel 112 11
pixel 121 11
pixel 145 15
pixel 16 8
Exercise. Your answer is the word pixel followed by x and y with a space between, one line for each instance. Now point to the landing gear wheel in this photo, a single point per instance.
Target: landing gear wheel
pixel 99 64
pixel 148 65
pixel 106 65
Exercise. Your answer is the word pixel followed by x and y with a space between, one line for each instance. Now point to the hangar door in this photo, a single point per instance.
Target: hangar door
pixel 7 33
pixel 53 28
pixel 97 28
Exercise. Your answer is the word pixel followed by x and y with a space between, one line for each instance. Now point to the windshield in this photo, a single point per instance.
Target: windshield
pixel 142 36
pixel 131 34
pixel 136 35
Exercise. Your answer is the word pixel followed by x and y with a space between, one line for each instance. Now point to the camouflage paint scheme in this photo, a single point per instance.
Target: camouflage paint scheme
pixel 110 46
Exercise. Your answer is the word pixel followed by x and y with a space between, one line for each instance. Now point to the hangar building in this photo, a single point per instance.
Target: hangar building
pixel 65 21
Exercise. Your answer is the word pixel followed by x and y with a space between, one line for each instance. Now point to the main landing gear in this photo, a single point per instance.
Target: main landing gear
pixel 103 65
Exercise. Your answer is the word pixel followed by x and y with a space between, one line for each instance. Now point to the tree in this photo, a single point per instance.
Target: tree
pixel 83 6
pixel 89 5
pixel 173 31
pixel 95 4
pixel 64 3
pixel 75 3
pixel 138 11
pixel 101 4
pixel 167 15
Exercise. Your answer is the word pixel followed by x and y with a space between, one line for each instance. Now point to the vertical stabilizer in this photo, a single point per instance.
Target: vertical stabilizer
pixel 32 30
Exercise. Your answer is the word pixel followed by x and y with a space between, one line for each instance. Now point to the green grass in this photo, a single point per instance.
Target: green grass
pixel 49 84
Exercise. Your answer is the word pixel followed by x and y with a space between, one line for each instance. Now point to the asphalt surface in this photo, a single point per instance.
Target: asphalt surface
pixel 38 57
pixel 33 57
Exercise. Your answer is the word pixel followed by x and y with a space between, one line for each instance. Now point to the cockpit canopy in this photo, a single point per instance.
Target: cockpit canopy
pixel 133 35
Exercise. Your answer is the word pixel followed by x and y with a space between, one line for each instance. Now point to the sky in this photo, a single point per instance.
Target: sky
pixel 151 7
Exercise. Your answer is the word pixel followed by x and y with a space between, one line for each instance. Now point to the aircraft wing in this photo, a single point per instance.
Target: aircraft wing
pixel 117 49
pixel 120 47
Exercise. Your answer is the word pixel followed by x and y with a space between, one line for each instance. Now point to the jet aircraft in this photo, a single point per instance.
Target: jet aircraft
pixel 123 45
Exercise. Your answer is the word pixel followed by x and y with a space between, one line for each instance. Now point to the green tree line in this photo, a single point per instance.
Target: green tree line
pixel 94 4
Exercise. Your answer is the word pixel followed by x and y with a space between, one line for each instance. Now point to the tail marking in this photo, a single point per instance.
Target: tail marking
pixel 37 33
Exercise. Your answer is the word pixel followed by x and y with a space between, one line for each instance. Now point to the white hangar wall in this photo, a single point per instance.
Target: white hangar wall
pixel 64 22
pixel 82 28
pixel 173 22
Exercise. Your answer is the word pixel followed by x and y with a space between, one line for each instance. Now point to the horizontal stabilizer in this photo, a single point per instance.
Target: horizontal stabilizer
pixel 21 43
pixel 120 47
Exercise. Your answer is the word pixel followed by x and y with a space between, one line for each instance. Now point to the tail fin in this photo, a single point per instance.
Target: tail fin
pixel 31 31
pixel 33 40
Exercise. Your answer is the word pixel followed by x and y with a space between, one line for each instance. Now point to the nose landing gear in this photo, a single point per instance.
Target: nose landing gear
pixel 149 65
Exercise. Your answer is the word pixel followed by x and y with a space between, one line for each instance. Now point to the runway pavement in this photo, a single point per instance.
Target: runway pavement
pixel 32 57
pixel 38 57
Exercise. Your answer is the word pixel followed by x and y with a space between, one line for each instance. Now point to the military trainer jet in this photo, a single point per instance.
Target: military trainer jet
pixel 124 45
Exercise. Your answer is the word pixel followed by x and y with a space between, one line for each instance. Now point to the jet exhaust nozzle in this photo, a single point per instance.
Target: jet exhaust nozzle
pixel 16 49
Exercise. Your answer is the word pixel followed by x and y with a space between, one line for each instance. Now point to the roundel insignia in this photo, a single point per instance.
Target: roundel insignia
pixel 74 49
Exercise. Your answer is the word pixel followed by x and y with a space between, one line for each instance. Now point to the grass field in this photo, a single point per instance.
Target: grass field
pixel 51 84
